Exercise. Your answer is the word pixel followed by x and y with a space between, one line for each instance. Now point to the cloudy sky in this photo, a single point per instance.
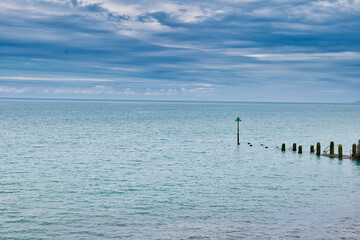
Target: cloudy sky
pixel 237 50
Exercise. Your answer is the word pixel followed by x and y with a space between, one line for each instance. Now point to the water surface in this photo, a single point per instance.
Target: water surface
pixel 138 170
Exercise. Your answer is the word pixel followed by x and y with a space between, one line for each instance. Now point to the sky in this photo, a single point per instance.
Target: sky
pixel 205 50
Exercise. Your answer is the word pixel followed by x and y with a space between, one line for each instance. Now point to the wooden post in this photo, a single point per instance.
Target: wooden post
pixel 353 154
pixel 318 149
pixel 312 149
pixel 358 147
pixel 300 149
pixel 340 152
pixel 332 148
pixel 283 147
pixel 294 147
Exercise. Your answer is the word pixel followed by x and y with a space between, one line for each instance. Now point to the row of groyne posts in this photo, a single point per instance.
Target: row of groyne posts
pixel 354 153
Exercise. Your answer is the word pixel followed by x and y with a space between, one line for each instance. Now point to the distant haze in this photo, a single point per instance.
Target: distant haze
pixel 258 50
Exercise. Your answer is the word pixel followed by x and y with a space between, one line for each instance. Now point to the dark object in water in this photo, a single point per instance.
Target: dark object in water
pixel 318 148
pixel 340 151
pixel 238 138
pixel 353 155
pixel 261 144
pixel 250 145
pixel 332 146
pixel 266 147
pixel 312 149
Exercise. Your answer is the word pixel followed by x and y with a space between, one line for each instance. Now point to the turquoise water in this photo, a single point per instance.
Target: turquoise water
pixel 137 170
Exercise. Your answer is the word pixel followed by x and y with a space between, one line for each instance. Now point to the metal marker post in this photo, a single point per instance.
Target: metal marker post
pixel 238 139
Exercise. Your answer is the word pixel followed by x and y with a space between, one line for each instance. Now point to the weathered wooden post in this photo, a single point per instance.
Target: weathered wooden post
pixel 238 137
pixel 283 147
pixel 294 147
pixel 332 148
pixel 353 152
pixel 318 148
pixel 312 149
pixel 300 149
pixel 340 152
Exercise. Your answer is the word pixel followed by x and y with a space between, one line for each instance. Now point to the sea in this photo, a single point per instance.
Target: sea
pixel 90 169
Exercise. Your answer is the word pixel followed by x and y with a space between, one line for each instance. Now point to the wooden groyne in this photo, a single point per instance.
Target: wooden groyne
pixel 329 151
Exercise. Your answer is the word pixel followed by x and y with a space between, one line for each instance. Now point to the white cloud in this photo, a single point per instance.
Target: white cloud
pixel 6 89
pixel 320 11
pixel 54 79
pixel 308 11
pixel 203 91
pixel 161 92
pixel 266 12
pixel 306 56
pixel 186 13
pixel 134 21
pixel 200 91
pixel 142 29
pixel 96 90
pixel 34 8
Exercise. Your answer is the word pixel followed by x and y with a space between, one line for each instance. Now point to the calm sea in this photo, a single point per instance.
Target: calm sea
pixel 148 170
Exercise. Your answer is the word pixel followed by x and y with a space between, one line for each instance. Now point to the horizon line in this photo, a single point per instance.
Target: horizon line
pixel 167 100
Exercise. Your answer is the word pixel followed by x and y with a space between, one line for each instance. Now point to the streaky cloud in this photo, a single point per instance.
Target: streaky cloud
pixel 206 50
